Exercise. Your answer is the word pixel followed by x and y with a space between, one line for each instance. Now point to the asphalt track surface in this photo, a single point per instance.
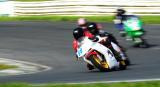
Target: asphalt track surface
pixel 50 43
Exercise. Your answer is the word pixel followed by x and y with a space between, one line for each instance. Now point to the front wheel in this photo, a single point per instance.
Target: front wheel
pixel 98 63
pixel 140 42
pixel 144 44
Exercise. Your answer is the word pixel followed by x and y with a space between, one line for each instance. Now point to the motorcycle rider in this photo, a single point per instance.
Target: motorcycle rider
pixel 111 41
pixel 77 34
pixel 82 22
pixel 82 27
pixel 120 16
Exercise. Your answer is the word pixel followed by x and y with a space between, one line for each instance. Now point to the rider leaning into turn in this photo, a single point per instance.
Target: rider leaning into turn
pixel 82 24
pixel 111 42
pixel 90 30
pixel 80 31
pixel 77 34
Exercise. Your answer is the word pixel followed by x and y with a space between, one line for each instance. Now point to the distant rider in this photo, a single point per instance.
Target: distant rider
pixel 120 16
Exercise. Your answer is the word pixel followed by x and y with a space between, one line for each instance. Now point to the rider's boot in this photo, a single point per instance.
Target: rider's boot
pixel 125 58
pixel 116 54
pixel 90 67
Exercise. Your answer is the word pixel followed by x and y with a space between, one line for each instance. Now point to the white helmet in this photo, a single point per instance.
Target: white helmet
pixel 81 21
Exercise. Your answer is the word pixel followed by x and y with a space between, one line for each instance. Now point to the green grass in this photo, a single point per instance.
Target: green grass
pixel 122 84
pixel 145 19
pixel 151 19
pixel 57 18
pixel 15 85
pixel 4 66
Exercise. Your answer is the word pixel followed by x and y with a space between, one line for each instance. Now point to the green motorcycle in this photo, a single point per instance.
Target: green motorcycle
pixel 134 31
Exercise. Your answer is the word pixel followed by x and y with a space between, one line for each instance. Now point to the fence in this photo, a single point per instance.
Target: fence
pixel 6 8
pixel 86 7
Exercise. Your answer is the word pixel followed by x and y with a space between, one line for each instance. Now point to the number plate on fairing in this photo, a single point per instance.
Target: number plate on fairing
pixel 80 52
pixel 84 47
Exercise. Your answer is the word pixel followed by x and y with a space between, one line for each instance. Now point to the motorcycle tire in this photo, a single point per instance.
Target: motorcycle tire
pixel 144 44
pixel 127 62
pixel 101 65
pixel 122 65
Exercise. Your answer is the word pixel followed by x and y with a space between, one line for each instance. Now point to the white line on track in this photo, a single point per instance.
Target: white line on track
pixel 22 64
pixel 136 80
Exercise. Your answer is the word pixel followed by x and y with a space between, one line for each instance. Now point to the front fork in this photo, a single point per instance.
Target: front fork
pixel 93 52
pixel 86 57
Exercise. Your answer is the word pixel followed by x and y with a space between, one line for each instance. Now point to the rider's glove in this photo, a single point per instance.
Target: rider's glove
pixel 94 39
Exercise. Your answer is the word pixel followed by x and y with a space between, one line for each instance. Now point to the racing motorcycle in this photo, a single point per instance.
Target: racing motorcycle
pixel 131 28
pixel 134 31
pixel 98 55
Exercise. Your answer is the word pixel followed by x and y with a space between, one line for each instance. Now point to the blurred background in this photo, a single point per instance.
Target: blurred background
pixel 77 7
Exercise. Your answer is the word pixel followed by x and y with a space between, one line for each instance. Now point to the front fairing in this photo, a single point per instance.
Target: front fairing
pixel 87 46
pixel 84 46
pixel 132 25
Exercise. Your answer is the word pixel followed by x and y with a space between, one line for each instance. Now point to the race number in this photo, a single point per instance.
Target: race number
pixel 80 51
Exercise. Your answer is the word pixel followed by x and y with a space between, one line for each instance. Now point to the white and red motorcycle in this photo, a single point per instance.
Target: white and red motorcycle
pixel 98 55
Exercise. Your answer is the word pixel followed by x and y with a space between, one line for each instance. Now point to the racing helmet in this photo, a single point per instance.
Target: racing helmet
pixel 78 33
pixel 121 11
pixel 81 22
pixel 92 28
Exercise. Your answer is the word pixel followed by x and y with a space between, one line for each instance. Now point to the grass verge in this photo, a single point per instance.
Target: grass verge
pixel 145 19
pixel 122 84
pixel 5 66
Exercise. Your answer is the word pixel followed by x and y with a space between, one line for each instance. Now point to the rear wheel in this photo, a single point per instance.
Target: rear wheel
pixel 144 44
pixel 122 65
pixel 98 63
pixel 127 61
pixel 140 42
